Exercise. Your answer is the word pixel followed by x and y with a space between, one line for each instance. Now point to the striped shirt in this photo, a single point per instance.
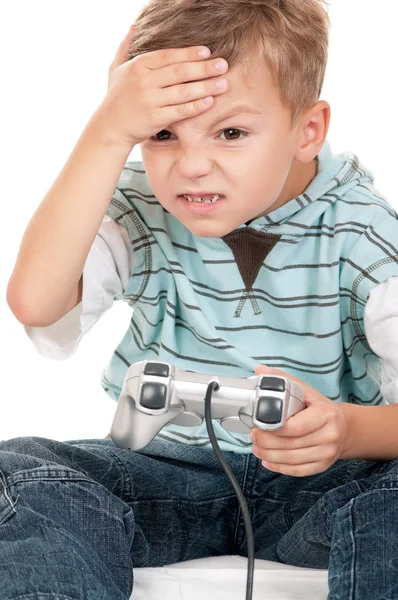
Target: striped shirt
pixel 303 310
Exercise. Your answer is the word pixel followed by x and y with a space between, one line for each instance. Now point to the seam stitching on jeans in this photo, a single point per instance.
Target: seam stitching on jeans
pixel 43 595
pixel 352 570
pixel 7 494
pixel 48 475
pixel 127 483
pixel 376 487
pixel 326 516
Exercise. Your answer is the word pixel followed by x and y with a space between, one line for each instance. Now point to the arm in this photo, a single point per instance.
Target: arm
pixel 311 441
pixel 47 279
pixel 373 430
pixel 47 282
pixel 145 95
pixel 106 274
pixel 326 431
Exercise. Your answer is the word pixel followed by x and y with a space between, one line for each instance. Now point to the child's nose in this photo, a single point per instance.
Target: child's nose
pixel 192 164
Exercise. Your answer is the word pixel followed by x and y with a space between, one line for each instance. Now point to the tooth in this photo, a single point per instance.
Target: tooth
pixel 202 200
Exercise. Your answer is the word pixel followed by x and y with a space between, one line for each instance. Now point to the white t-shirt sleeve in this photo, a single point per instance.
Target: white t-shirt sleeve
pixel 105 277
pixel 381 329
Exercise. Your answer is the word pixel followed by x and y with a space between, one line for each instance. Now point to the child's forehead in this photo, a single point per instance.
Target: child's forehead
pixel 250 91
pixel 240 100
pixel 250 72
pixel 251 81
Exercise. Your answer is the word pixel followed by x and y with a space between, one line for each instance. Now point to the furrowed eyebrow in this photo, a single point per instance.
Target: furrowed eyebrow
pixel 232 112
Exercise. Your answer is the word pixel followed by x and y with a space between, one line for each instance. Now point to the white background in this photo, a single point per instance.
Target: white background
pixel 54 67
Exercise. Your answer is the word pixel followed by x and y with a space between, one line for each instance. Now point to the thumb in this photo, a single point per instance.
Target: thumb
pixel 121 54
pixel 264 370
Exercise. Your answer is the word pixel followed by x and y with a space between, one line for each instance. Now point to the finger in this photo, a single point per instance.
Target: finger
pixel 175 74
pixel 121 55
pixel 295 457
pixel 179 112
pixel 296 470
pixel 304 423
pixel 158 59
pixel 190 92
pixel 269 440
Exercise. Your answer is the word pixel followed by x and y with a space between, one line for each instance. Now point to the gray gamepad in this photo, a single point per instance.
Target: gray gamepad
pixel 156 393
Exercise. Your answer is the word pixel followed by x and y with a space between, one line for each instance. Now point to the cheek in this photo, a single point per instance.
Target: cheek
pixel 154 171
pixel 270 166
pixel 262 184
pixel 153 177
pixel 152 160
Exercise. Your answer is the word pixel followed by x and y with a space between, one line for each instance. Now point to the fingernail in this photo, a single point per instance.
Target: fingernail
pixel 204 52
pixel 222 84
pixel 221 65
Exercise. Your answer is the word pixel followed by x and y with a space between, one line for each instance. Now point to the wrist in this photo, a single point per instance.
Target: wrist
pixel 371 432
pixel 98 128
pixel 349 418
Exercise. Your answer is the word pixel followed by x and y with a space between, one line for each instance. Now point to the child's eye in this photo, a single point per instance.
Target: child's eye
pixel 162 135
pixel 234 130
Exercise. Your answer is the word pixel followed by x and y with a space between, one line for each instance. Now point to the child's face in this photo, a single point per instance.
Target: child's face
pixel 254 171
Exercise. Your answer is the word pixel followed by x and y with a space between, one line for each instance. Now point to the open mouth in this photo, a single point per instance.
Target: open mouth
pixel 208 199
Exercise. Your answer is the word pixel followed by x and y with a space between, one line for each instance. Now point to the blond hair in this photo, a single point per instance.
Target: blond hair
pixel 291 35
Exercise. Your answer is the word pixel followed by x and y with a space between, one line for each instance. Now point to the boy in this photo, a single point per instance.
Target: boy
pixel 257 248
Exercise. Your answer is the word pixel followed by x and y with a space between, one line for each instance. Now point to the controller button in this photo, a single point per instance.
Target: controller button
pixel 269 410
pixel 276 384
pixel 157 369
pixel 153 396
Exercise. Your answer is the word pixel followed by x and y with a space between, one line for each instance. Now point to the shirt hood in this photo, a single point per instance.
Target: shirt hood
pixel 337 174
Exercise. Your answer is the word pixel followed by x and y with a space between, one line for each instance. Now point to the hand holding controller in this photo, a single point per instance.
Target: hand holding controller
pixel 156 393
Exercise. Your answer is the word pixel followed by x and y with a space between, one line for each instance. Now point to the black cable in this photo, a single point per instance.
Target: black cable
pixel 214 386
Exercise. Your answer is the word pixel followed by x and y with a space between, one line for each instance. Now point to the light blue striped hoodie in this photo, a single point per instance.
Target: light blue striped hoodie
pixel 301 309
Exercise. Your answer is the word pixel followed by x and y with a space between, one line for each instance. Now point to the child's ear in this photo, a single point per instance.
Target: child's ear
pixel 312 131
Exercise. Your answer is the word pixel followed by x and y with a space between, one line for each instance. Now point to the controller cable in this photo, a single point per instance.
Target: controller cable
pixel 214 386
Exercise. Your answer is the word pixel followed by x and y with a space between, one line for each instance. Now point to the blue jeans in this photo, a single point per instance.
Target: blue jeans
pixel 75 517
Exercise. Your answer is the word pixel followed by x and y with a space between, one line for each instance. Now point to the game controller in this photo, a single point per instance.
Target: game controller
pixel 157 393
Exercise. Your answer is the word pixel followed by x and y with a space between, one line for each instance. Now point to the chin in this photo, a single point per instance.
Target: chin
pixel 203 226
pixel 209 230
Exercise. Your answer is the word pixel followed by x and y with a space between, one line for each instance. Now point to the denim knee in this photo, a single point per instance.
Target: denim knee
pixel 24 453
pixel 363 559
pixel 63 535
